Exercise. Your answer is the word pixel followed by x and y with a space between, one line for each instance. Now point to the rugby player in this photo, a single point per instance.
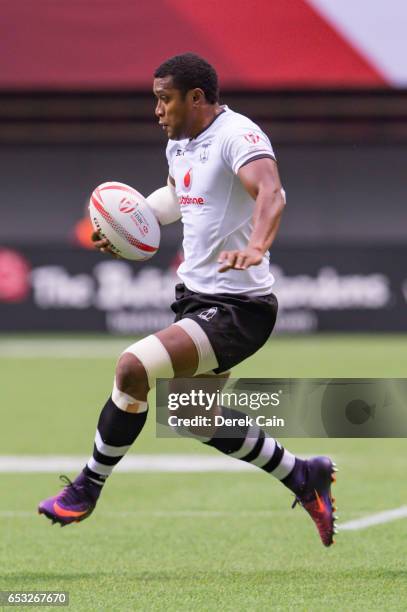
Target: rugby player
pixel 224 183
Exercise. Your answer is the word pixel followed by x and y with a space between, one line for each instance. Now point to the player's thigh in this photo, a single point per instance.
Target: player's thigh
pixel 171 352
pixel 167 353
pixel 181 349
pixel 189 348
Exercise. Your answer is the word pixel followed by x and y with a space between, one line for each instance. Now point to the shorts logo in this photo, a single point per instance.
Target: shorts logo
pixel 126 206
pixel 188 180
pixel 207 315
pixel 252 138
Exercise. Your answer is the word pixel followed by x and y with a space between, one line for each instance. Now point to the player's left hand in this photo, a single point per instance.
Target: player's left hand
pixel 240 260
pixel 102 244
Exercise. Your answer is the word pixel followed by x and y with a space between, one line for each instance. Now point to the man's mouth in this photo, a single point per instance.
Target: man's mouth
pixel 164 126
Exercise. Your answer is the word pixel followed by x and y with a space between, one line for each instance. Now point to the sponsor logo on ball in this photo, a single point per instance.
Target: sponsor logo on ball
pixel 126 205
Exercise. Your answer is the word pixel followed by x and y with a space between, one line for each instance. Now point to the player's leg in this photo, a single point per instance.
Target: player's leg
pixel 238 329
pixel 310 480
pixel 250 444
pixel 247 443
pixel 167 353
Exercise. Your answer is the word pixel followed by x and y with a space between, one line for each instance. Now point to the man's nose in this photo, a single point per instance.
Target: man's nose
pixel 159 111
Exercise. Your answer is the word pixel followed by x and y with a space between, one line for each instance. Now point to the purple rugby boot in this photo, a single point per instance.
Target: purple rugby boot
pixel 74 503
pixel 313 493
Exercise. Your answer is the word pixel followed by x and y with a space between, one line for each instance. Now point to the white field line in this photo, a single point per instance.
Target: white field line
pixel 62 348
pixel 353 525
pixel 42 464
pixel 131 463
pixel 168 463
pixel 374 519
pixel 160 514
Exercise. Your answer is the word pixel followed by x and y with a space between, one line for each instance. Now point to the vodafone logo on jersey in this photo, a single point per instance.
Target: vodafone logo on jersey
pixel 186 200
pixel 188 180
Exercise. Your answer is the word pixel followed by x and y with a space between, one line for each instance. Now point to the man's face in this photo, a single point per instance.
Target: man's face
pixel 174 112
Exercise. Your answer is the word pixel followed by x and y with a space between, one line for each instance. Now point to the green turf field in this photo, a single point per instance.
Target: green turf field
pixel 176 541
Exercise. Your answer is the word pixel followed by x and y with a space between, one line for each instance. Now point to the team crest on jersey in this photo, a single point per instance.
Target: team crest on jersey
pixel 204 154
pixel 188 180
pixel 207 315
pixel 252 138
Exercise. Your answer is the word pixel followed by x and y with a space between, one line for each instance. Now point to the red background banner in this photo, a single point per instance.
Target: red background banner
pixel 106 44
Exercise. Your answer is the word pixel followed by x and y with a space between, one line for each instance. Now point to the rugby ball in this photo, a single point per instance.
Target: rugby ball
pixel 123 216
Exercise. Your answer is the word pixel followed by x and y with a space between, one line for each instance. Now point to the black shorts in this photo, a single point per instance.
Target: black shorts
pixel 236 325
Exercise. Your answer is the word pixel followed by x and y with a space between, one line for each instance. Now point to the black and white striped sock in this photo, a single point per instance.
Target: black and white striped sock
pixel 116 432
pixel 251 444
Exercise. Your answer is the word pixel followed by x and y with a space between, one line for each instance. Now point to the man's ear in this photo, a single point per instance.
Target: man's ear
pixel 197 95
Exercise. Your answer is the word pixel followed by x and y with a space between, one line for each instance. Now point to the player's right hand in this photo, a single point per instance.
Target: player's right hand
pixel 102 244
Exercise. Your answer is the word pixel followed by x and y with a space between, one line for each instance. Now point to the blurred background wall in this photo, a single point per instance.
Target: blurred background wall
pixel 325 79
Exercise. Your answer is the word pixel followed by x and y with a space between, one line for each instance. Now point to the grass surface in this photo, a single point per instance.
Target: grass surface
pixel 199 541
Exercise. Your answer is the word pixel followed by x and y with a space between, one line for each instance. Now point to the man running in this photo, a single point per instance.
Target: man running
pixel 224 183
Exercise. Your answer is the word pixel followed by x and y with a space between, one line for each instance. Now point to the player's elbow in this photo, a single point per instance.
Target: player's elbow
pixel 282 197
pixel 279 199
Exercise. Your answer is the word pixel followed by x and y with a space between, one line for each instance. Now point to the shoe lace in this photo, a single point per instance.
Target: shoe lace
pixel 68 495
pixel 68 482
pixel 73 490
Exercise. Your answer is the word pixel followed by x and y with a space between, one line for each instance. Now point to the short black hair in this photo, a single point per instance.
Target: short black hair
pixel 189 71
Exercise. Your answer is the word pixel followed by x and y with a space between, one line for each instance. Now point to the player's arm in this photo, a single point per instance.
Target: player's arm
pixel 164 202
pixel 261 180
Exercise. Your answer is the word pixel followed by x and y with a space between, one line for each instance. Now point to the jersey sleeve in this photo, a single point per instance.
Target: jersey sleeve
pixel 245 144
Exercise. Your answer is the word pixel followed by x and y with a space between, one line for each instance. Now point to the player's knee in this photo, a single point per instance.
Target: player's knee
pixel 131 377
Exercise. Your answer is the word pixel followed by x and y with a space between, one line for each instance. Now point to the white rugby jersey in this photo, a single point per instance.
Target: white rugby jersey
pixel 216 209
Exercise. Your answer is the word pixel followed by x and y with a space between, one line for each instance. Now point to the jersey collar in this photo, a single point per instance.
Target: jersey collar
pixel 224 109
